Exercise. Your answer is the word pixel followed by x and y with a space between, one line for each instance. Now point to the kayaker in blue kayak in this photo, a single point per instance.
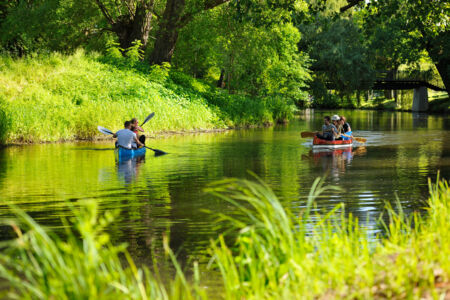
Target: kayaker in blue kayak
pixel 126 137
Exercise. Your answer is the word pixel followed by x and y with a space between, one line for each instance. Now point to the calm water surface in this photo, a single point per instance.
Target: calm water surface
pixel 164 195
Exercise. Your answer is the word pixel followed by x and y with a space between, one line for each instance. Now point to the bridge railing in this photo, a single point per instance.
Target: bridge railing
pixel 414 75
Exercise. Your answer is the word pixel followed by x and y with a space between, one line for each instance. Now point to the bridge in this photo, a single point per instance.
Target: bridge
pixel 392 84
pixel 420 98
pixel 420 86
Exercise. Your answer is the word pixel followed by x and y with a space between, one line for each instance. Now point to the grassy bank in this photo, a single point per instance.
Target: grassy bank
pixel 56 97
pixel 276 255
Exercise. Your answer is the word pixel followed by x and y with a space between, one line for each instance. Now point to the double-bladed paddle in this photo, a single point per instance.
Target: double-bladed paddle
pixel 148 118
pixel 107 131
pixel 306 134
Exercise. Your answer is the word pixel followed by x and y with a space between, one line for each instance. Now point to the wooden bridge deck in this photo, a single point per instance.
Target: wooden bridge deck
pixel 386 84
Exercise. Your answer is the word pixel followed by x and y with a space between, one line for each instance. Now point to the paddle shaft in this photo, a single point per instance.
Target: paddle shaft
pixel 148 118
pixel 306 134
pixel 157 152
pixel 107 131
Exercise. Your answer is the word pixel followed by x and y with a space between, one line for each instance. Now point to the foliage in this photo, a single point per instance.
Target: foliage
pixel 275 254
pixel 113 51
pixel 259 61
pixel 418 25
pixel 83 265
pixel 281 256
pixel 236 110
pixel 160 73
pixel 33 26
pixel 340 57
pixel 45 106
pixel 5 122
pixel 135 53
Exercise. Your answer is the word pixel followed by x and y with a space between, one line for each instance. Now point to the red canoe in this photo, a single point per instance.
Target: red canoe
pixel 320 144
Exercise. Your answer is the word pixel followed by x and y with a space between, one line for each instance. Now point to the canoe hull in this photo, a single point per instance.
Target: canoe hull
pixel 323 144
pixel 125 154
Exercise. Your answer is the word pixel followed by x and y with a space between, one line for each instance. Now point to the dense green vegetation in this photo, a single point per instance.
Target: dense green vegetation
pixel 56 97
pixel 275 255
pixel 297 50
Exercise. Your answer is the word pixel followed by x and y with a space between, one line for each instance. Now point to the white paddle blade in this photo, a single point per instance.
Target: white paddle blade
pixel 104 130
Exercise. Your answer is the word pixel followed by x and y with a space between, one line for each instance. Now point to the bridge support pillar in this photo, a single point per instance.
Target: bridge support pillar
pixel 420 99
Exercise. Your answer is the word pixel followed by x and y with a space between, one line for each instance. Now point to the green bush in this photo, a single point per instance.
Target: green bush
pixel 67 97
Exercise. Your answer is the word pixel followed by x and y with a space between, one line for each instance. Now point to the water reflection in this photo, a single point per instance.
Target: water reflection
pixel 164 195
pixel 334 161
pixel 128 170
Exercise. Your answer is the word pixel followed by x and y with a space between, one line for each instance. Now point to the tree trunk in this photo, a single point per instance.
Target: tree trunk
pixel 129 29
pixel 221 82
pixel 389 76
pixel 443 67
pixel 436 48
pixel 167 34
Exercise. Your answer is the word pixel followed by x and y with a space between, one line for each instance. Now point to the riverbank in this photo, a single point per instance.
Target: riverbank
pixel 276 255
pixel 63 98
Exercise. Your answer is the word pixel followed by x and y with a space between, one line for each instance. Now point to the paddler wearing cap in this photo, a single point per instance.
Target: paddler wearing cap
pixel 329 130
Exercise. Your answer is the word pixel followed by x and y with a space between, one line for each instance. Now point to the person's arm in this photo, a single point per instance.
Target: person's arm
pixel 137 141
pixel 335 132
pixel 346 135
pixel 140 128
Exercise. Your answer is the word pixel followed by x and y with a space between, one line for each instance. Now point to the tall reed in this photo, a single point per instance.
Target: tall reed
pixel 275 254
pixel 39 264
pixel 278 255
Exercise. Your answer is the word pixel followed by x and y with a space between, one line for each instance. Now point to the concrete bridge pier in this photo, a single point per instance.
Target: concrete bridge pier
pixel 420 99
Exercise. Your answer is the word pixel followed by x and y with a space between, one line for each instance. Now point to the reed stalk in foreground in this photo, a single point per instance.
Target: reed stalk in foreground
pixel 276 255
pixel 85 265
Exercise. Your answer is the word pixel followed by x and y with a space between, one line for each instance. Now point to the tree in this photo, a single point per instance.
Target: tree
pixel 177 14
pixel 60 25
pixel 424 24
pixel 130 20
pixel 336 45
pixel 390 47
pixel 257 57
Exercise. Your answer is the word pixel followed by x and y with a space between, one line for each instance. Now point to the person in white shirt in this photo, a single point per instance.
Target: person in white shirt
pixel 126 137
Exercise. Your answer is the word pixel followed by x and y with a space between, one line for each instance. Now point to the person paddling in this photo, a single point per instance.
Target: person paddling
pixel 125 137
pixel 329 131
pixel 136 128
pixel 346 130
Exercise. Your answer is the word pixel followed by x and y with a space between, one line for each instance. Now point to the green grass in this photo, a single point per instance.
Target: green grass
pixel 276 254
pixel 55 97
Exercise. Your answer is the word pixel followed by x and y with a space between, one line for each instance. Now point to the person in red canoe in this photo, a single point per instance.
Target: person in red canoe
pixel 136 129
pixel 345 129
pixel 329 131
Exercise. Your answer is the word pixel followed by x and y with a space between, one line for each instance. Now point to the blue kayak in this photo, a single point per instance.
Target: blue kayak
pixel 125 154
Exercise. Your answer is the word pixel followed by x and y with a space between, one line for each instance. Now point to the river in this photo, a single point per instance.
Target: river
pixel 165 195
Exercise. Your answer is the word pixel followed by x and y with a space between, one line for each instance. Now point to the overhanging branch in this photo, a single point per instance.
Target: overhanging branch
pixel 209 4
pixel 105 12
pixel 350 4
